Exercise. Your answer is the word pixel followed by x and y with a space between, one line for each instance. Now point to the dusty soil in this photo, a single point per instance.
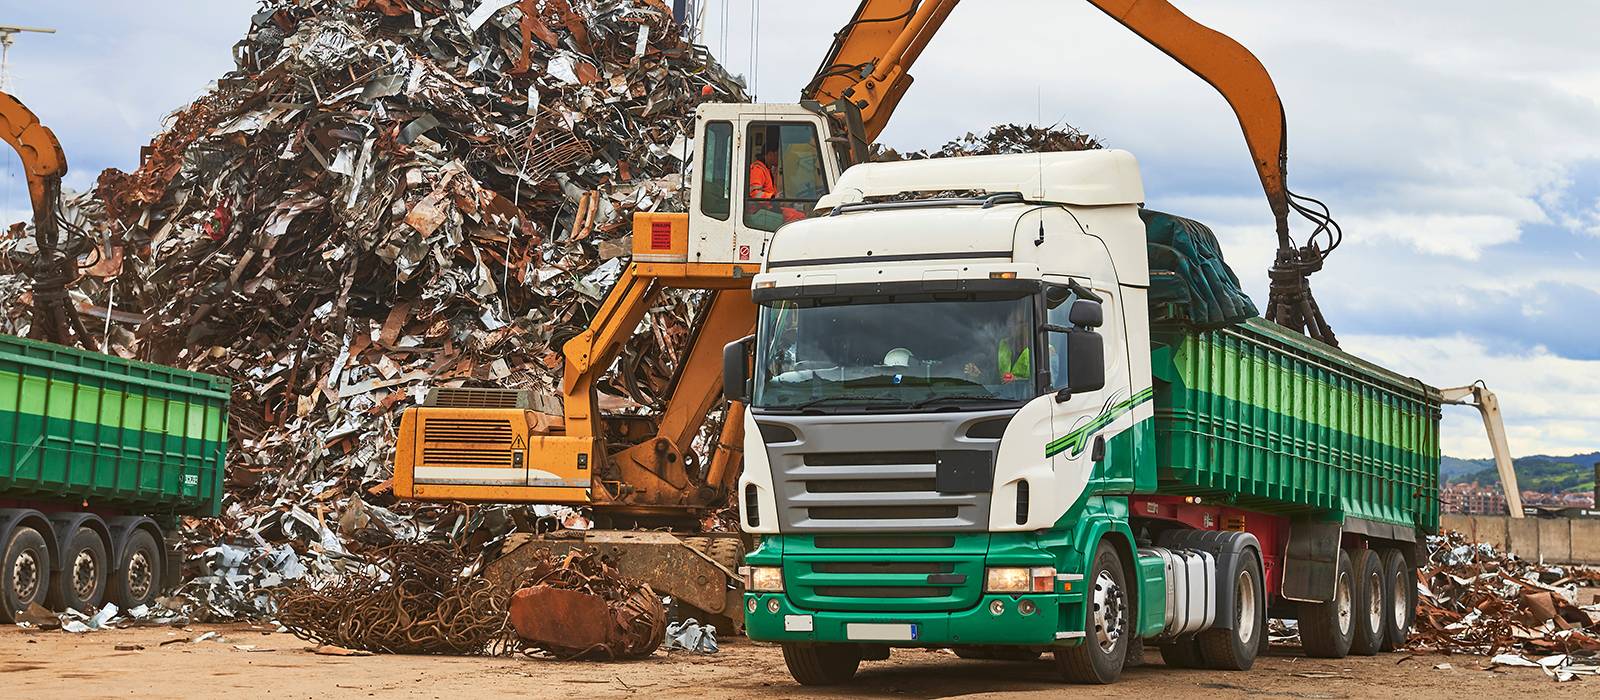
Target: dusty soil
pixel 250 663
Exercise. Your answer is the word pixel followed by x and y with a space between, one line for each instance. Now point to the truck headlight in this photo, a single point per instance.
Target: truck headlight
pixel 763 579
pixel 1019 579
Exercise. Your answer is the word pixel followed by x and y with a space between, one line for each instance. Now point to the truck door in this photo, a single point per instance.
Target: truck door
pixel 1085 421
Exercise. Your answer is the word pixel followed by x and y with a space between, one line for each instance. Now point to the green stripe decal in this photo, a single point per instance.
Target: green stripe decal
pixel 1077 439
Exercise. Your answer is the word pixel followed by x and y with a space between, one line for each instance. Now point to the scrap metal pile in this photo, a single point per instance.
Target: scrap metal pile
pixel 1474 599
pixel 383 196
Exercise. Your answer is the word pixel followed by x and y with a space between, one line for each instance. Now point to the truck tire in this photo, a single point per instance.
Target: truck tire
pixel 137 580
pixel 1099 658
pixel 1400 599
pixel 821 664
pixel 1183 653
pixel 1235 649
pixel 85 573
pixel 1370 609
pixel 24 572
pixel 1327 628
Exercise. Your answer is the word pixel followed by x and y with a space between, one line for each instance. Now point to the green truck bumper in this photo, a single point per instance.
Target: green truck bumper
pixel 1056 620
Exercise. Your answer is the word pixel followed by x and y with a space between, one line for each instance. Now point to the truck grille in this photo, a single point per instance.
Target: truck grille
pixel 857 583
pixel 883 473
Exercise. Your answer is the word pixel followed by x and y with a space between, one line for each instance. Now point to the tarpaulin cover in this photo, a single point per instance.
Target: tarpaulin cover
pixel 1189 280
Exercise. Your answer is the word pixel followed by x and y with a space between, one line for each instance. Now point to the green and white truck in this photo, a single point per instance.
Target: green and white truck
pixel 98 458
pixel 969 427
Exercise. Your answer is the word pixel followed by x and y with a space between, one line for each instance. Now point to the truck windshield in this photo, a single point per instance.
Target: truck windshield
pixel 895 354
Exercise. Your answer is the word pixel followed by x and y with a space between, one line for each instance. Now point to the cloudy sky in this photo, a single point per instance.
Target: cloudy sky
pixel 1455 141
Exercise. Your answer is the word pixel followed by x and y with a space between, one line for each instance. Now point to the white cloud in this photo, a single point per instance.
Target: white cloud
pixel 1547 401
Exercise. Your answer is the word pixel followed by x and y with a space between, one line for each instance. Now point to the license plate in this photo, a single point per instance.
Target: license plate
pixel 880 632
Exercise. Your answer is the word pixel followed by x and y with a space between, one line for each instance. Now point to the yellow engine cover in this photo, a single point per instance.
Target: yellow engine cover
pixel 502 455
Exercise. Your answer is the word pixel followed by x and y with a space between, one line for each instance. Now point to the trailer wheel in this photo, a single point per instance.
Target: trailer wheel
pixel 1099 658
pixel 1400 599
pixel 821 664
pixel 85 571
pixel 1370 603
pixel 138 576
pixel 1235 649
pixel 1326 629
pixel 1183 653
pixel 24 572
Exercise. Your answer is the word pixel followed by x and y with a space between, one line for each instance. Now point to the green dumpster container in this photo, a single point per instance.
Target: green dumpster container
pixel 93 431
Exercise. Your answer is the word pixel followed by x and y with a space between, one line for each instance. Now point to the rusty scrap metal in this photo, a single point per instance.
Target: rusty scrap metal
pixel 1475 599
pixel 405 598
pixel 577 605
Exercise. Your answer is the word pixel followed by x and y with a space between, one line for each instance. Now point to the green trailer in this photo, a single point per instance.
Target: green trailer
pixel 98 457
pixel 1048 421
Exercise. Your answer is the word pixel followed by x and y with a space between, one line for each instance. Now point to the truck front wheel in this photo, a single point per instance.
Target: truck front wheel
pixel 1235 649
pixel 1326 629
pixel 1098 659
pixel 24 572
pixel 821 664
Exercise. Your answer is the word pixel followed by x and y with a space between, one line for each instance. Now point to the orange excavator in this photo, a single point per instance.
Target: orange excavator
pixel 43 165
pixel 636 473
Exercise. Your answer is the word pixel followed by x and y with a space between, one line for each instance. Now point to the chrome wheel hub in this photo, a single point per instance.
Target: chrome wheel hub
pixel 1401 600
pixel 141 575
pixel 1246 604
pixel 85 575
pixel 1109 611
pixel 1344 605
pixel 25 576
pixel 1375 601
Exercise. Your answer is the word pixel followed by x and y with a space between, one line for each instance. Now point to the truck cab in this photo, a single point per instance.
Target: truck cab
pixel 940 387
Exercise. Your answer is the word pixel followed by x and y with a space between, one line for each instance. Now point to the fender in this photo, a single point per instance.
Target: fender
pixel 1227 546
pixel 66 527
pixel 13 518
pixel 1099 519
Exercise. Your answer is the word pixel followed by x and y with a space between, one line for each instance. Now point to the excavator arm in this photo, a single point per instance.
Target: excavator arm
pixel 867 71
pixel 43 164
pixel 1478 396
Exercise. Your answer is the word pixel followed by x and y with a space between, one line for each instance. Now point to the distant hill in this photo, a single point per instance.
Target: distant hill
pixel 1544 473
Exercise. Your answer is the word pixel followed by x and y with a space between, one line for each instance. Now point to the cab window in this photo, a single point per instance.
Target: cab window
pixel 716 173
pixel 785 176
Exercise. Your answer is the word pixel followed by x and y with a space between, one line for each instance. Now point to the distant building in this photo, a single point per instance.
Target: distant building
pixel 1473 499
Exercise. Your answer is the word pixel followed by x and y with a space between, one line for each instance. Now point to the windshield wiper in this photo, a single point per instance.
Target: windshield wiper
pixel 960 397
pixel 875 401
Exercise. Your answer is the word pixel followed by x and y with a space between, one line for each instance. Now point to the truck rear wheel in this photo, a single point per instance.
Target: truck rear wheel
pixel 24 572
pixel 1235 649
pixel 1098 659
pixel 1326 629
pixel 85 571
pixel 1400 599
pixel 138 577
pixel 821 664
pixel 1370 609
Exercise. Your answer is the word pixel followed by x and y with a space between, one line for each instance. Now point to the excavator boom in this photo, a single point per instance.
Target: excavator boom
pixel 867 71
pixel 43 165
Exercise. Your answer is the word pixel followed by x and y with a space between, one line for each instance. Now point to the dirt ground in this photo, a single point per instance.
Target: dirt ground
pixel 244 662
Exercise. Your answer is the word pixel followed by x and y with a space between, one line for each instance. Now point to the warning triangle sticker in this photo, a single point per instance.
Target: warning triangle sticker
pixel 517 443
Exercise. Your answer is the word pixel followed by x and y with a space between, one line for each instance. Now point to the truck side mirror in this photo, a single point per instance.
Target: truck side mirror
pixel 1086 359
pixel 736 368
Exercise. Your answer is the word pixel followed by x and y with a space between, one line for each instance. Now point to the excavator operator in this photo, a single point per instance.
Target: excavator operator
pixel 762 183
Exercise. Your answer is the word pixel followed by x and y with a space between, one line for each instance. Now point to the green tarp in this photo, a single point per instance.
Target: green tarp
pixel 1189 280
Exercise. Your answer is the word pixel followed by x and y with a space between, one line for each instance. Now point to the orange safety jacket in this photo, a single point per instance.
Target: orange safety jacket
pixel 761 185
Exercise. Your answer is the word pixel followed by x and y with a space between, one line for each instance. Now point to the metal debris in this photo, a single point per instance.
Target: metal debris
pixel 408 598
pixel 690 635
pixel 1475 599
pixel 577 606
pixel 382 197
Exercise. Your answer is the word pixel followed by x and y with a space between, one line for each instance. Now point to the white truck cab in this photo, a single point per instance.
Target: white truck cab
pixel 904 318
